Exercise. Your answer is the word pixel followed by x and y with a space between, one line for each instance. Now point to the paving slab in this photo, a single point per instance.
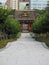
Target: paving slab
pixel 25 51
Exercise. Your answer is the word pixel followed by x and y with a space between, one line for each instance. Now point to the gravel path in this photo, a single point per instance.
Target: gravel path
pixel 24 51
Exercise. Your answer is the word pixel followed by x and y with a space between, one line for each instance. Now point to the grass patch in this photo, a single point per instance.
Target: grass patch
pixel 47 42
pixel 42 38
pixel 4 42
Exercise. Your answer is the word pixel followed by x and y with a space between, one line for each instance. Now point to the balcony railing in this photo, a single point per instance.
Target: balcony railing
pixel 25 18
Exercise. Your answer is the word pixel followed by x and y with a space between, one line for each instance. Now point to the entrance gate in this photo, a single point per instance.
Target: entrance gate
pixel 25 27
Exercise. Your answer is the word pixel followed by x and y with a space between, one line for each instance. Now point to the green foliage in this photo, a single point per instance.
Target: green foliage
pixel 3 43
pixel 4 13
pixel 12 26
pixel 8 25
pixel 39 12
pixel 41 24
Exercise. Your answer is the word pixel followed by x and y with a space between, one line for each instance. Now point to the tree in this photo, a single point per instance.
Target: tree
pixel 12 26
pixel 41 24
pixel 4 13
pixel 39 12
pixel 8 25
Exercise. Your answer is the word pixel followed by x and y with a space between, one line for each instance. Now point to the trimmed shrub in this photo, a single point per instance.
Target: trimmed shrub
pixel 41 24
pixel 12 26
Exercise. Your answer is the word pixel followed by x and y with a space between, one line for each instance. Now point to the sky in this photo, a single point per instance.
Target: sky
pixel 3 1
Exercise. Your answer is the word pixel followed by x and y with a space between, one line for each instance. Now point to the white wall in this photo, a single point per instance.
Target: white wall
pixel 14 4
pixel 22 5
pixel 38 4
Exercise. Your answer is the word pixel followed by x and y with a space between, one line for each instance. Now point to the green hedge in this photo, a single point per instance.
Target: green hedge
pixel 41 24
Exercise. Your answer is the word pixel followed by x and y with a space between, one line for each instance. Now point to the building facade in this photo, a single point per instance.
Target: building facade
pixel 12 4
pixel 23 13
pixel 38 4
pixel 18 4
pixel 26 19
pixel 8 4
pixel 1 5
pixel 26 4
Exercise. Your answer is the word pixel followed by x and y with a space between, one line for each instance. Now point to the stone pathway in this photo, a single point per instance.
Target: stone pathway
pixel 24 51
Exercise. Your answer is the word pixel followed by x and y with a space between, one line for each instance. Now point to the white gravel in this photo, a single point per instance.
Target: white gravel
pixel 24 51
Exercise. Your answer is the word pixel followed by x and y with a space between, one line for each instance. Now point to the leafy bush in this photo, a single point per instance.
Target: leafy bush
pixel 8 25
pixel 12 26
pixel 4 13
pixel 41 24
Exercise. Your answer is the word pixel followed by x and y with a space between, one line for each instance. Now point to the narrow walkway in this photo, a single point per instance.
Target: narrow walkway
pixel 24 51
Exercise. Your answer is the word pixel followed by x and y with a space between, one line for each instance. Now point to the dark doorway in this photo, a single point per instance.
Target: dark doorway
pixel 25 27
